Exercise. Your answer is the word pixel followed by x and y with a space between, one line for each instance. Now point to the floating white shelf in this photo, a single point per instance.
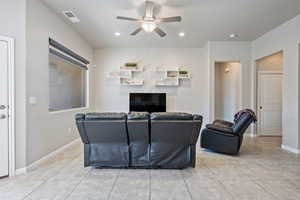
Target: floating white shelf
pixel 125 75
pixel 131 82
pixel 171 76
pixel 133 69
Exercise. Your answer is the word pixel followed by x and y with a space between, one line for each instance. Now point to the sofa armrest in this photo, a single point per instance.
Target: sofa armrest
pixel 220 128
pixel 223 123
pixel 79 118
pixel 197 123
pixel 197 118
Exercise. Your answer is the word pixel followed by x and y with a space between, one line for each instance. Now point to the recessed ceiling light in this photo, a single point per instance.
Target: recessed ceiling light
pixel 181 34
pixel 233 35
pixel 117 34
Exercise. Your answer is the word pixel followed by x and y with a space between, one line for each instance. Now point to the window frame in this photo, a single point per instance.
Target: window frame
pixel 53 45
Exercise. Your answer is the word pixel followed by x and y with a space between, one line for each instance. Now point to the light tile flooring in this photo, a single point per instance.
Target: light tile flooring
pixel 262 171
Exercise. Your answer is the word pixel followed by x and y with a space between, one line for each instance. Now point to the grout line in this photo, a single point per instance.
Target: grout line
pixel 114 184
pixel 150 184
pixel 48 179
pixel 259 185
pixel 34 189
pixel 222 185
pixel 186 185
pixel 76 186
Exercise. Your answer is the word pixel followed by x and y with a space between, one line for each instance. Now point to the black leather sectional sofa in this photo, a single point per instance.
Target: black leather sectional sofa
pixel 139 140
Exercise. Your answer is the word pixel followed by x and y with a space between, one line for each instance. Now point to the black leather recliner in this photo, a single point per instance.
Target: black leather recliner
pixel 173 139
pixel 105 139
pixel 227 137
pixel 139 140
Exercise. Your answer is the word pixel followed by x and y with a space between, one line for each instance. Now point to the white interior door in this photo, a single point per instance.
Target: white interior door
pixel 4 137
pixel 270 103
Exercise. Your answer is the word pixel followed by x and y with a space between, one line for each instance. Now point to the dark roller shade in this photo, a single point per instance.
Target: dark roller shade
pixel 67 51
pixel 67 58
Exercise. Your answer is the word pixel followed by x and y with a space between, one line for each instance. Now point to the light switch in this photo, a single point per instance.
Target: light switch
pixel 32 100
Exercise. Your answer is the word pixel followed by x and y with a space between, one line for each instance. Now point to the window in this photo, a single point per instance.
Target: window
pixel 67 80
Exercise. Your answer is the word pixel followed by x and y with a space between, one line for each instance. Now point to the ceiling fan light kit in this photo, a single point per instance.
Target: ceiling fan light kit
pixel 149 22
pixel 149 26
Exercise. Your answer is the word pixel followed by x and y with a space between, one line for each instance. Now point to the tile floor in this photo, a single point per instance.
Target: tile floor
pixel 262 171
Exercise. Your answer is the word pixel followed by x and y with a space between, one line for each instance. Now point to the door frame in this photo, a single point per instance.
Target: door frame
pixel 258 93
pixel 11 99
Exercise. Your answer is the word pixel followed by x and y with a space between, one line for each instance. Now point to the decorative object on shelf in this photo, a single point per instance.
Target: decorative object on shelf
pixel 125 74
pixel 183 74
pixel 131 64
pixel 172 76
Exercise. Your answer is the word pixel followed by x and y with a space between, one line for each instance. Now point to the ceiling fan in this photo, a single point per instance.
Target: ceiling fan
pixel 149 22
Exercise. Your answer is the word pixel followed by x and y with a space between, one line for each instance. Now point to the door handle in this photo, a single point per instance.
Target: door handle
pixel 2 107
pixel 2 116
pixel 260 107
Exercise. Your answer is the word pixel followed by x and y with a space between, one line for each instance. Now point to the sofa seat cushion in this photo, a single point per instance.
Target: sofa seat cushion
pixel 106 116
pixel 171 116
pixel 138 116
pixel 224 129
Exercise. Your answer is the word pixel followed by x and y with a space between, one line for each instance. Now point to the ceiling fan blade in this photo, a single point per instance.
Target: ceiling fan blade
pixel 160 32
pixel 129 19
pixel 169 19
pixel 149 9
pixel 136 31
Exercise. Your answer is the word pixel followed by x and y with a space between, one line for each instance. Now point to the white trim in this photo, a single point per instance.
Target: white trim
pixel 51 155
pixel 290 149
pixel 68 110
pixel 11 100
pixel 250 134
pixel 254 81
pixel 21 171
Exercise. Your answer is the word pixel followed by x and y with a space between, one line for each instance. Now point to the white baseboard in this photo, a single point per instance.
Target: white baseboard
pixel 21 171
pixel 249 134
pixel 290 149
pixel 47 157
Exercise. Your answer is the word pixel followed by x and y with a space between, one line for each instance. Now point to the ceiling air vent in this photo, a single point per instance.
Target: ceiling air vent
pixel 71 16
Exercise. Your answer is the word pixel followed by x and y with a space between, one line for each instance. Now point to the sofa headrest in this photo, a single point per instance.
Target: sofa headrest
pixel 138 116
pixel 80 116
pixel 198 117
pixel 106 116
pixel 171 116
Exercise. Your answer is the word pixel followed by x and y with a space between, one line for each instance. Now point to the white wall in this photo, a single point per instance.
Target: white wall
pixel 227 90
pixel 12 20
pixel 45 131
pixel 285 38
pixel 230 52
pixel 191 96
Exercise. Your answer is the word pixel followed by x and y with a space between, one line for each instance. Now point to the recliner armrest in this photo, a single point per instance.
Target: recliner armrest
pixel 220 128
pixel 223 123
pixel 197 118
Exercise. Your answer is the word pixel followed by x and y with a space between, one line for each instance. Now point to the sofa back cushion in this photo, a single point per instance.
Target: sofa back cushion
pixel 105 116
pixel 103 127
pixel 138 116
pixel 171 116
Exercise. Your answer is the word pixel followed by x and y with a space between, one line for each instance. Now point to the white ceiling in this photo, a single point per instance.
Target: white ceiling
pixel 203 20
